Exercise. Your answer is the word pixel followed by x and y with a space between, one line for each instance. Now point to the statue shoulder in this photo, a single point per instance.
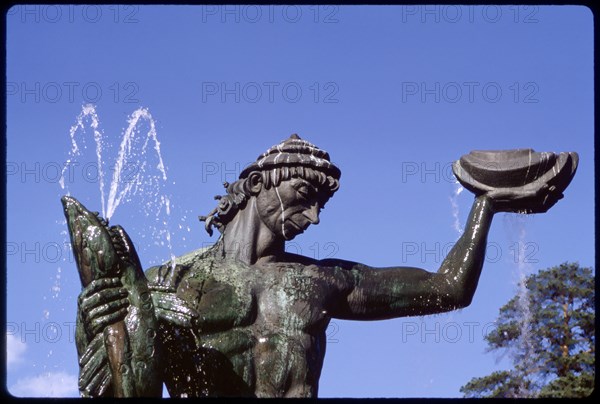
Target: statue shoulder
pixel 342 264
pixel 344 267
pixel 327 262
pixel 348 273
pixel 169 274
pixel 165 276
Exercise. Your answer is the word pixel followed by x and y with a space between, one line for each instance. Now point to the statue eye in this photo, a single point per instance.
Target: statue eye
pixel 303 191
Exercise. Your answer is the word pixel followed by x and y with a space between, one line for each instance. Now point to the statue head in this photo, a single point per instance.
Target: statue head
pixel 292 182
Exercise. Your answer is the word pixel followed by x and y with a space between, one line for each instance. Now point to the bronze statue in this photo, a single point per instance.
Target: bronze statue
pixel 245 318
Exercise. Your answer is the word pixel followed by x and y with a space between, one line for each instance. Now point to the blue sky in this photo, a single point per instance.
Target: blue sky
pixel 393 93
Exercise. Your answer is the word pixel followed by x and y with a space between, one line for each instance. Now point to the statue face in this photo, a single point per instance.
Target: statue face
pixel 288 209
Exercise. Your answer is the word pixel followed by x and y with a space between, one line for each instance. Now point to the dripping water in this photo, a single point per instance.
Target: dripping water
pixel 516 223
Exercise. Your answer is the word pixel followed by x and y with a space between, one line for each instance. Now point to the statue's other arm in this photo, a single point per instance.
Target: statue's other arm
pixel 373 294
pixel 181 362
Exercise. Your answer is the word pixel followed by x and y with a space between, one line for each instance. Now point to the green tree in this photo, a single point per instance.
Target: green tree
pixel 550 335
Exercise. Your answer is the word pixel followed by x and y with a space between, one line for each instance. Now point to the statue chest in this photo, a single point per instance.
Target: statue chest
pixel 221 296
pixel 275 297
pixel 292 299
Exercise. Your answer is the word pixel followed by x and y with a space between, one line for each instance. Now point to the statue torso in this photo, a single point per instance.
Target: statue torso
pixel 259 329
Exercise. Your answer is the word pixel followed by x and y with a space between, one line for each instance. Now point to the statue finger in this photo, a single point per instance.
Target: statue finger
pixel 94 375
pixel 94 348
pixel 92 367
pixel 105 296
pixel 97 385
pixel 102 382
pixel 107 308
pixel 98 324
pixel 175 318
pixel 541 191
pixel 170 301
pixel 90 373
pixel 98 284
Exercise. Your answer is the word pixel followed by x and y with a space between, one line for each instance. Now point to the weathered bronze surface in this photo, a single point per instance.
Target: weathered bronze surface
pixel 245 318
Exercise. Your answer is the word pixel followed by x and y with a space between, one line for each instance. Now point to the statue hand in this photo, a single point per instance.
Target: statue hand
pixel 531 198
pixel 172 309
pixel 103 302
pixel 520 180
pixel 94 375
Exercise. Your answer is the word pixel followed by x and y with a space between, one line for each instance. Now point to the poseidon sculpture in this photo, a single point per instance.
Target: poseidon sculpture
pixel 246 318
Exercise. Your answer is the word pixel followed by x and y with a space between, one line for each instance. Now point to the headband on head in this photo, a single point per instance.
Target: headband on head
pixel 293 151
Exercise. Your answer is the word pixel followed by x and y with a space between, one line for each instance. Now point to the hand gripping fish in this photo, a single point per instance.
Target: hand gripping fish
pixel 129 362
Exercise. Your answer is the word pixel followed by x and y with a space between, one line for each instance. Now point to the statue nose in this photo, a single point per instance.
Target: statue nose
pixel 313 214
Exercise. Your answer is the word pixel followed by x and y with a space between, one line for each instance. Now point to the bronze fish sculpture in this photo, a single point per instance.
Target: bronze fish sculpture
pixel 122 363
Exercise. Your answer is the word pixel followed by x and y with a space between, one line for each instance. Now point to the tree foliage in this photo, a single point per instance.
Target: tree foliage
pixel 549 333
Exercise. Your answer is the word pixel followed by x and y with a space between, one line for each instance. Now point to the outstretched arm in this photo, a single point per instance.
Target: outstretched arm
pixel 376 294
pixel 503 181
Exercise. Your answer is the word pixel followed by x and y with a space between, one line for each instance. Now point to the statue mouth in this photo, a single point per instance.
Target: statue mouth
pixel 91 235
pixel 74 209
pixel 299 229
pixel 71 205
